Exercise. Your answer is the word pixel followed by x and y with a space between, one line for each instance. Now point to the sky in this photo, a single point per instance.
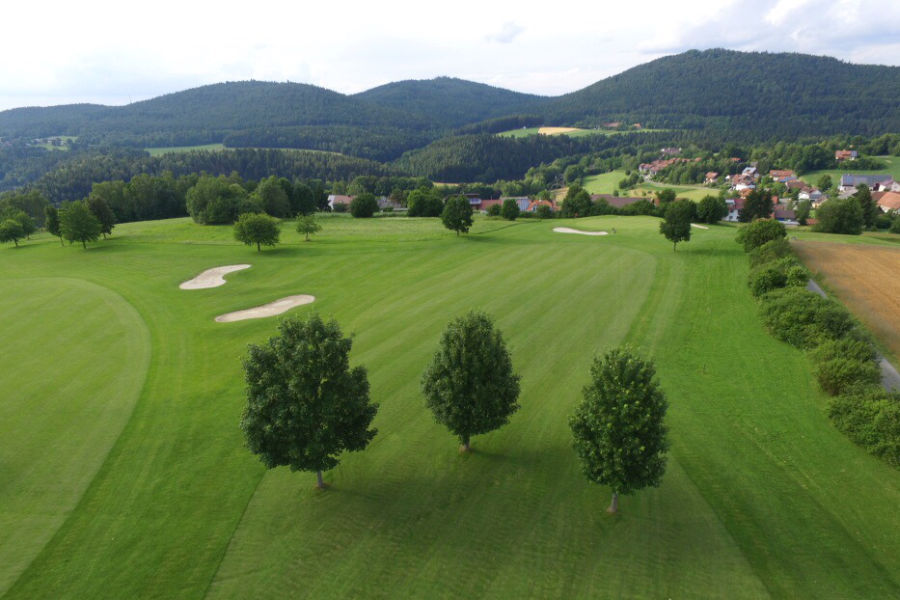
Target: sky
pixel 113 52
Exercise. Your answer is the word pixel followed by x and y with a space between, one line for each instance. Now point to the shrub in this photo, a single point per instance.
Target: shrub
pixel 840 374
pixel 804 319
pixel 544 212
pixel 493 210
pixel 895 226
pixel 855 349
pixel 363 206
pixel 777 274
pixel 870 417
pixel 772 250
pixel 759 232
pixel 883 221
pixel 339 207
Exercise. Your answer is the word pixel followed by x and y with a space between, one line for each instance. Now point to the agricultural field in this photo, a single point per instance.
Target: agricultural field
pixel 124 472
pixel 893 169
pixel 864 277
pixel 605 183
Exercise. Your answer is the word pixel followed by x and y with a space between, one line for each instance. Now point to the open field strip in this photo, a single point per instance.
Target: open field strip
pixel 177 149
pixel 606 183
pixel 892 167
pixel 762 498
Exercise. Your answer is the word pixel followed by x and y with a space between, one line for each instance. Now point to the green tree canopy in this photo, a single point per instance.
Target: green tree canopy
pixel 509 210
pixel 470 385
pixel 23 218
pixel 457 214
pixel 78 224
pixel 759 232
pixel 257 228
pixel 51 221
pixel 824 183
pixel 840 216
pixel 711 209
pixel 307 225
pixel 577 202
pixel 364 206
pixel 867 205
pixel 424 202
pixel 11 231
pixel 305 406
pixel 217 200
pixel 758 205
pixel 677 224
pixel 103 212
pixel 618 428
pixel 270 195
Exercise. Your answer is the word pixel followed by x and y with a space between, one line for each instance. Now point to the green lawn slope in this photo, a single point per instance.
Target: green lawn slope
pixel 762 498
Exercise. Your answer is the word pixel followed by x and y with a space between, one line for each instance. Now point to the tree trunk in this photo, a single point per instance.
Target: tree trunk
pixel 83 244
pixel 16 242
pixel 466 446
pixel 614 504
pixel 674 246
pixel 257 246
pixel 319 482
pixel 61 242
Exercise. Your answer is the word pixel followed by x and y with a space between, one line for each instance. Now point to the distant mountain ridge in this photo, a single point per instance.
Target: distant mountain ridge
pixel 756 93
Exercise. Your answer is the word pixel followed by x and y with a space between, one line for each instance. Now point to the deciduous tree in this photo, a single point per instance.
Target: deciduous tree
pixel 470 385
pixel 677 224
pixel 457 214
pixel 759 232
pixel 509 210
pixel 257 228
pixel 11 231
pixel 78 224
pixel 363 206
pixel 618 428
pixel 307 225
pixel 103 212
pixel 51 221
pixel 305 405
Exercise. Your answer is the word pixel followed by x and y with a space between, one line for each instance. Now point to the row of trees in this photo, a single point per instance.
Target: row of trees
pixel 305 405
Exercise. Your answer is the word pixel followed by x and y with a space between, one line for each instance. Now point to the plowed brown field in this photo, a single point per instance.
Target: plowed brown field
pixel 865 278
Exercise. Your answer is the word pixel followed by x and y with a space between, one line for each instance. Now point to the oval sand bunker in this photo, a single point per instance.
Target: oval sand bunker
pixel 570 230
pixel 266 310
pixel 211 278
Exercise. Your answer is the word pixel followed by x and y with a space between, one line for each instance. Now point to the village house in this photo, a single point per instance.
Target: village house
pixel 815 196
pixel 887 201
pixel 711 178
pixel 534 204
pixel 841 155
pixel 877 183
pixel 338 199
pixel 782 176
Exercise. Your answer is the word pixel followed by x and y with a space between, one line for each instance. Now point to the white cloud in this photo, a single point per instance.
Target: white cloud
pixel 507 33
pixel 113 52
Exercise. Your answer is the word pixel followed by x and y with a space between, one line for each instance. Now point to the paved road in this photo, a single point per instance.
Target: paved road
pixel 890 378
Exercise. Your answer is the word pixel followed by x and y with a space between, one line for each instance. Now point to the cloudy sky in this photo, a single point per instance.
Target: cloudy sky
pixel 115 52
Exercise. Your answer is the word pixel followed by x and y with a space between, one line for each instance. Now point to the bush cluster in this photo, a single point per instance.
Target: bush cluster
pixel 843 355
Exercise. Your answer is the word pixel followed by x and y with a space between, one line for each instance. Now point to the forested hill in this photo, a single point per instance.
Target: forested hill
pixel 451 102
pixel 759 93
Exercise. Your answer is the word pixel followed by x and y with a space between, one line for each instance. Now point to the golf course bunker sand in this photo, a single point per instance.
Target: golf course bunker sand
pixel 267 310
pixel 570 230
pixel 211 278
pixel 699 226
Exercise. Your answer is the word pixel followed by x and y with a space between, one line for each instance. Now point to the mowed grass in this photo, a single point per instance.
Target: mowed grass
pixel 62 407
pixel 605 183
pixel 762 498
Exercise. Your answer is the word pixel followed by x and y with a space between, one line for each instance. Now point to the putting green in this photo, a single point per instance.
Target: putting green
pixel 75 358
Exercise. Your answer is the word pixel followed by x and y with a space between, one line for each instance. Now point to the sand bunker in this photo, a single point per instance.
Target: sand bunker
pixel 556 130
pixel 211 278
pixel 570 230
pixel 266 310
pixel 699 226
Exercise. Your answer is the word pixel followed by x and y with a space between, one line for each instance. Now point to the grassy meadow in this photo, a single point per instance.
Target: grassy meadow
pixel 892 167
pixel 605 183
pixel 175 149
pixel 124 472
